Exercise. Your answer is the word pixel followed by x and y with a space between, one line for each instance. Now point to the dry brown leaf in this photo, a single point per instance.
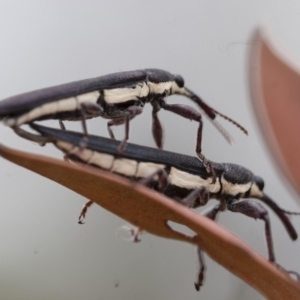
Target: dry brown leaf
pixel 150 210
pixel 275 86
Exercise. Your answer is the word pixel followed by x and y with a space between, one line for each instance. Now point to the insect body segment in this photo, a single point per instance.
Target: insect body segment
pixel 119 97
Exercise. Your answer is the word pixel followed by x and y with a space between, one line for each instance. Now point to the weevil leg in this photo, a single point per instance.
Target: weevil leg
pixel 62 125
pixel 157 129
pixel 201 270
pixel 131 112
pixel 211 214
pixel 32 137
pixel 114 122
pixel 255 210
pixel 87 109
pixel 201 194
pixel 160 176
pixel 92 109
pixel 189 112
pixel 84 211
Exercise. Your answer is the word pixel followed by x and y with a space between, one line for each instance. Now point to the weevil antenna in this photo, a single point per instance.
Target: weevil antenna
pixel 211 114
pixel 232 121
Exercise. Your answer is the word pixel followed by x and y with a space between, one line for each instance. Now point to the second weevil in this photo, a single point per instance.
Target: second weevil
pixel 182 178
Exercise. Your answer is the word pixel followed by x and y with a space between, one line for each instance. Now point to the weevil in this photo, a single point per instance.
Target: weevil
pixel 180 177
pixel 119 97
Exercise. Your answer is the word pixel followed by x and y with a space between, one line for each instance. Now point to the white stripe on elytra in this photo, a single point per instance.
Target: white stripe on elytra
pixel 63 105
pixel 146 169
pixel 126 167
pixel 102 160
pixel 121 95
pixel 160 88
pixel 234 189
pixel 190 181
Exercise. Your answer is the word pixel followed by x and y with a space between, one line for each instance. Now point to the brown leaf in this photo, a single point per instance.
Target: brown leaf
pixel 150 211
pixel 275 86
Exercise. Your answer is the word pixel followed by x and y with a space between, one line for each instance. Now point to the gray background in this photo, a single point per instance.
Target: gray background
pixel 44 254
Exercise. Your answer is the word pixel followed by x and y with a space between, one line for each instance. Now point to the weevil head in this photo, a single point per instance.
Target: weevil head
pixel 257 187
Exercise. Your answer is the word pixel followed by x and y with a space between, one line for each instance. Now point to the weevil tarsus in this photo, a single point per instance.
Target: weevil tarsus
pixel 201 271
pixel 84 211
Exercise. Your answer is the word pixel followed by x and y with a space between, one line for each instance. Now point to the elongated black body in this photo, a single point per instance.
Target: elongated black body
pixel 119 90
pixel 119 97
pixel 185 173
pixel 187 179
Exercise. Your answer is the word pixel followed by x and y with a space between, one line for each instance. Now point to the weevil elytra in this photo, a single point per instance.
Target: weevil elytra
pixel 119 97
pixel 180 177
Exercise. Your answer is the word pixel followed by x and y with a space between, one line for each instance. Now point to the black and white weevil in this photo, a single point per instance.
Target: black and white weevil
pixel 180 177
pixel 119 97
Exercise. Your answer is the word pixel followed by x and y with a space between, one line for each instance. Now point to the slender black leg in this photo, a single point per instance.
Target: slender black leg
pixel 114 122
pixel 88 109
pixel 62 125
pixel 91 109
pixel 255 210
pixel 201 194
pixel 32 137
pixel 83 212
pixel 188 112
pixel 132 112
pixel 157 130
pixel 211 214
pixel 201 271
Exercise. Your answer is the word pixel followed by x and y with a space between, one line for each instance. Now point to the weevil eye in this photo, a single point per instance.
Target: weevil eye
pixel 179 80
pixel 259 182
